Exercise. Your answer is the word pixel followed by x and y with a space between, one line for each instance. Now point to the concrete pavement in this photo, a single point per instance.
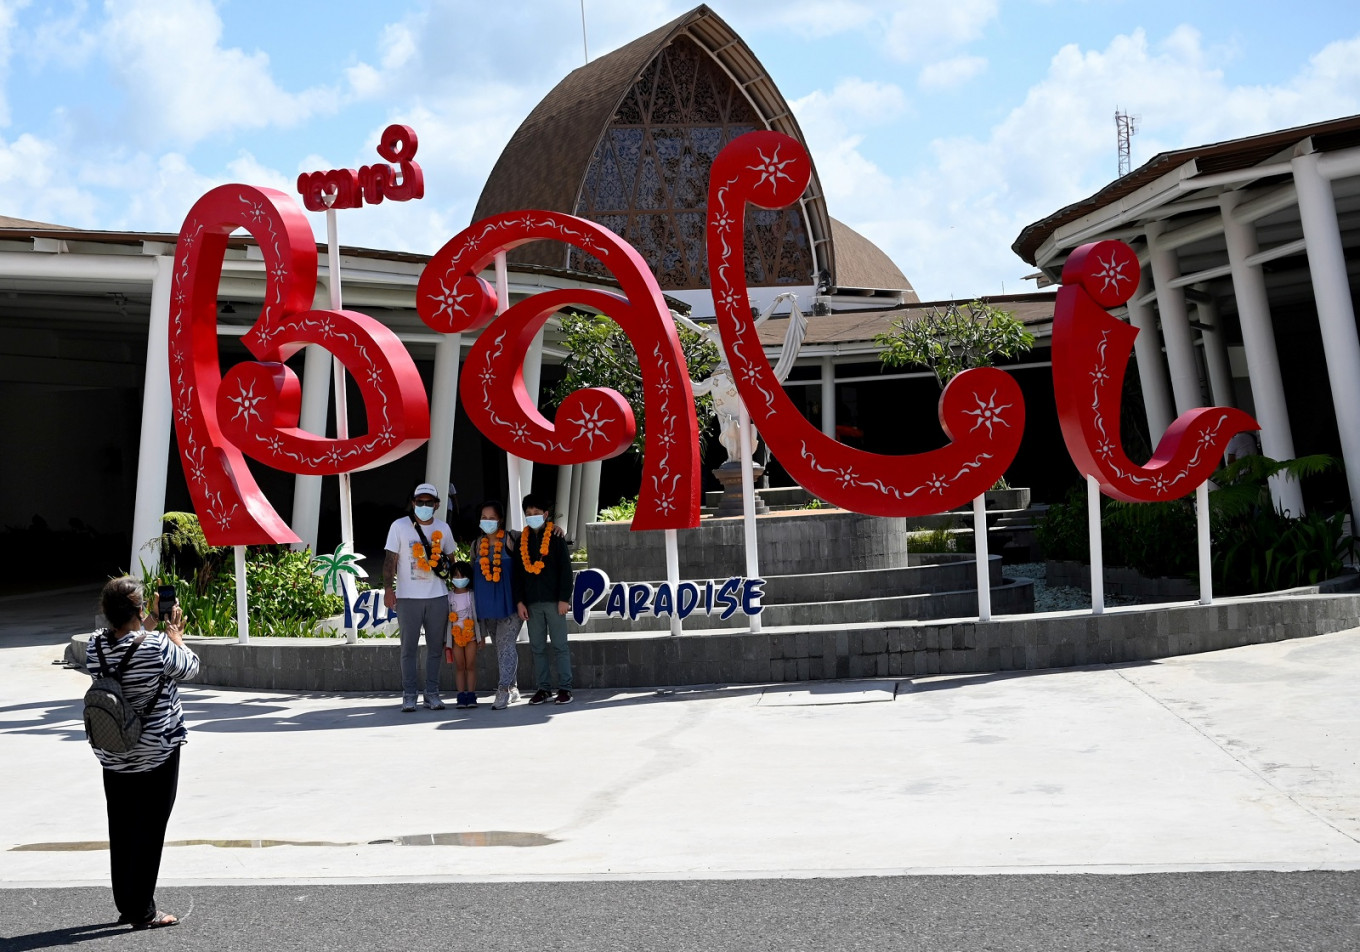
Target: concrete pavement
pixel 1247 759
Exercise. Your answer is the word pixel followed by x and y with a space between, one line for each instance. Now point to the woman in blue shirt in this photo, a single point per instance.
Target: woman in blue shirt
pixel 493 567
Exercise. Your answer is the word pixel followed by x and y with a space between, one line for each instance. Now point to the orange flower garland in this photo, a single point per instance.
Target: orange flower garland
pixel 491 562
pixel 534 568
pixel 436 547
pixel 465 633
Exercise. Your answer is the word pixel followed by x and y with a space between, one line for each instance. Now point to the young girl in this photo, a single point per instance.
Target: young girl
pixel 462 637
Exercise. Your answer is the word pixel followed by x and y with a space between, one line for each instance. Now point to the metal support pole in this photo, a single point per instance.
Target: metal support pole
pixel 514 512
pixel 443 411
pixel 673 576
pixel 748 503
pixel 341 399
pixel 153 446
pixel 242 615
pixel 1097 553
pixel 984 575
pixel 1206 575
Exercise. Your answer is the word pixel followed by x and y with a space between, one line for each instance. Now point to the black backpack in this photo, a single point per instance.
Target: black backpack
pixel 111 723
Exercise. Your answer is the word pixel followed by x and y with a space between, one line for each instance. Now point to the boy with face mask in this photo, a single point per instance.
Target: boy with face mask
pixel 543 592
pixel 414 544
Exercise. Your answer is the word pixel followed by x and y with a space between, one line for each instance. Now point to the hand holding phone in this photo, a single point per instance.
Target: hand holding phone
pixel 165 602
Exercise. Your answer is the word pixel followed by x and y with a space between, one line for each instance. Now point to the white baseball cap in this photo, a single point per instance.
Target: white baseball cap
pixel 425 489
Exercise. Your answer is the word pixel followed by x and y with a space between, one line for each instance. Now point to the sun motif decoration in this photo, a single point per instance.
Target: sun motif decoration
pixel 1091 350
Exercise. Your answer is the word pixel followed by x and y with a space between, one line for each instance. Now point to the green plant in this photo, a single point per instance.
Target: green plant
pixel 1000 484
pixel 950 341
pixel 813 503
pixel 938 539
pixel 1063 532
pixel 599 354
pixel 1155 539
pixel 622 511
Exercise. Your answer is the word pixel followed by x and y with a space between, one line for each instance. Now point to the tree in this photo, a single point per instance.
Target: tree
pixel 950 341
pixel 599 354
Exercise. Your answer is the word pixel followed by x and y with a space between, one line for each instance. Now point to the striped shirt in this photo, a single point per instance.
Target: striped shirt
pixel 163 728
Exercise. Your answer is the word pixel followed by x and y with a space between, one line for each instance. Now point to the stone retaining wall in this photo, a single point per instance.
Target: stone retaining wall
pixel 1120 580
pixel 889 650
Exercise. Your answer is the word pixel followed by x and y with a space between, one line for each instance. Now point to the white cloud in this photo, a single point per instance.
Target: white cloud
pixel 9 10
pixel 950 73
pixel 182 86
pixel 949 223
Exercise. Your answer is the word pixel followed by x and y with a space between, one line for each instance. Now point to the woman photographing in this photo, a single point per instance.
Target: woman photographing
pixel 140 783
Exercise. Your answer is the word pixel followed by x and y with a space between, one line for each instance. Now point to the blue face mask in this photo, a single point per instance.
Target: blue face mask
pixel 489 526
pixel 460 582
pixel 424 513
pixel 535 522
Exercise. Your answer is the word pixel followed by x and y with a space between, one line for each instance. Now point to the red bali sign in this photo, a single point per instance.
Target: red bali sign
pixel 1090 354
pixel 253 409
pixel 981 410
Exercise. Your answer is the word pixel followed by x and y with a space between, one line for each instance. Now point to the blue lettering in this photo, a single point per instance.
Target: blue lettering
pixel 362 616
pixel 708 597
pixel 664 603
pixel 590 584
pixel 639 594
pixel 688 599
pixel 727 597
pixel 617 603
pixel 751 594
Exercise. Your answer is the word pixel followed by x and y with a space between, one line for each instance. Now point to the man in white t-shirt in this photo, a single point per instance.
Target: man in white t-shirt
pixel 415 543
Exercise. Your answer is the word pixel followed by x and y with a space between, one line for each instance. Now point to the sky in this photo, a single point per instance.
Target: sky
pixel 939 129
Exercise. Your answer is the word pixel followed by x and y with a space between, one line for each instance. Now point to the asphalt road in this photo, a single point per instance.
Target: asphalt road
pixel 1194 912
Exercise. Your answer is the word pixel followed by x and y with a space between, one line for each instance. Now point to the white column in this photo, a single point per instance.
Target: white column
pixel 316 402
pixel 1216 355
pixel 590 499
pixel 1336 310
pixel 562 504
pixel 443 409
pixel 1147 348
pixel 748 504
pixel 1097 546
pixel 829 397
pixel 514 513
pixel 533 371
pixel 153 448
pixel 1258 342
pixel 575 519
pixel 1180 347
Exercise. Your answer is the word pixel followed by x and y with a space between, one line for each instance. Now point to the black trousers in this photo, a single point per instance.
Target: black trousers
pixel 139 806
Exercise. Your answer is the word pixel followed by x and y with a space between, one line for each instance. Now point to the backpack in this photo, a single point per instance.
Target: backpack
pixel 111 723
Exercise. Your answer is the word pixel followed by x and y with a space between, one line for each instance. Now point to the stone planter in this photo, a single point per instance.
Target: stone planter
pixel 1120 580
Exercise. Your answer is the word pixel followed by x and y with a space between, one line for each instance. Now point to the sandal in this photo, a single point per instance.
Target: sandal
pixel 160 920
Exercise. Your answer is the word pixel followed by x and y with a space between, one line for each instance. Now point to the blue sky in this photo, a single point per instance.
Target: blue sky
pixel 939 129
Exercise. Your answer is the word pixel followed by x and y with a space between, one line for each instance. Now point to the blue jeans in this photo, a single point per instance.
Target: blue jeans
pixel 545 623
pixel 433 615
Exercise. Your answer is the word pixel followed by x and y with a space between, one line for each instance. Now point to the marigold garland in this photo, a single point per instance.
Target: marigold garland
pixel 436 547
pixel 464 633
pixel 491 563
pixel 535 567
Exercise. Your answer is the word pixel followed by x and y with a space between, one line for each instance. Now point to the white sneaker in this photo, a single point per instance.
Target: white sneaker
pixel 502 698
pixel 433 702
pixel 514 695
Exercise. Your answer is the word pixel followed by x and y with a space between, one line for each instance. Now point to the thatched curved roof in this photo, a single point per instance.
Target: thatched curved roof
pixel 861 264
pixel 546 163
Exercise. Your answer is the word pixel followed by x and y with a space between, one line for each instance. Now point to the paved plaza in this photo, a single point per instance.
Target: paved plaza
pixel 1241 764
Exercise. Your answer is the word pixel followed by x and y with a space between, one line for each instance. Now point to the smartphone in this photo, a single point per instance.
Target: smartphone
pixel 165 601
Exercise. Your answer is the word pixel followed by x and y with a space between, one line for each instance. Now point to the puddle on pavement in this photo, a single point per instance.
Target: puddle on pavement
pixel 477 838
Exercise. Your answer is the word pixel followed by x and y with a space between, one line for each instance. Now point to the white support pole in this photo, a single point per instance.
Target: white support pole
pixel 1097 552
pixel 984 575
pixel 562 502
pixel 533 371
pixel 153 445
pixel 828 397
pixel 1336 310
pixel 748 502
pixel 1180 346
pixel 514 512
pixel 316 403
pixel 443 411
pixel 350 593
pixel 1216 355
pixel 1147 347
pixel 1258 342
pixel 242 607
pixel 575 518
pixel 590 499
pixel 341 399
pixel 1206 575
pixel 673 576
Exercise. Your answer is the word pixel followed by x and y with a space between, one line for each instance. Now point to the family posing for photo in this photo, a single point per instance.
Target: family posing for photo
pixel 513 578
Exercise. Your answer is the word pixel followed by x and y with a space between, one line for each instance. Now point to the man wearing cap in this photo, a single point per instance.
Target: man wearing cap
pixel 415 544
